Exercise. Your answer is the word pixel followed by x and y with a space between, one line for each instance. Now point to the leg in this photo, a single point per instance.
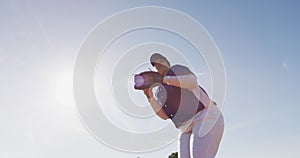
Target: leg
pixel 184 145
pixel 207 146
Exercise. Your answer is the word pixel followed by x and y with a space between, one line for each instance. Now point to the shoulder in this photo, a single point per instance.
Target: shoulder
pixel 180 69
pixel 178 66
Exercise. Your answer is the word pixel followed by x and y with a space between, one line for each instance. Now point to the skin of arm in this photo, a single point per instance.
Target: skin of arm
pixel 188 81
pixel 155 105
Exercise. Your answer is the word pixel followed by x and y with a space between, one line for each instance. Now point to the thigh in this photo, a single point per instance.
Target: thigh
pixel 184 145
pixel 207 146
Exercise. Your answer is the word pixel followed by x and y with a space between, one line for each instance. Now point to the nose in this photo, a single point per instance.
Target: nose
pixel 158 66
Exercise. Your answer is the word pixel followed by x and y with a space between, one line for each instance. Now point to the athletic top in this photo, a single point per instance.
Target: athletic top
pixel 179 104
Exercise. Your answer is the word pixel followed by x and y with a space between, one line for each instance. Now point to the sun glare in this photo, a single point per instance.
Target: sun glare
pixel 63 89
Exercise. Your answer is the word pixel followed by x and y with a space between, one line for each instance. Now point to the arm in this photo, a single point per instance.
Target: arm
pixel 188 81
pixel 203 96
pixel 155 105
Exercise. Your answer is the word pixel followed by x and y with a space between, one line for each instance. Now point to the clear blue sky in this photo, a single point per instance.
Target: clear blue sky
pixel 258 40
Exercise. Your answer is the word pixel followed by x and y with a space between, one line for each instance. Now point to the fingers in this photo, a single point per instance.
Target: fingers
pixel 148 92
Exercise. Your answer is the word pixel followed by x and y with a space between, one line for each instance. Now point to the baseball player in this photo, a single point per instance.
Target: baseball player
pixel 180 98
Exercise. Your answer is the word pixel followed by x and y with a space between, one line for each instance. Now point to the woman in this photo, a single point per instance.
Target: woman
pixel 182 100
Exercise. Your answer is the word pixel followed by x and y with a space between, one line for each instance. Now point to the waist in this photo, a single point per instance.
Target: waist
pixel 200 108
pixel 185 110
pixel 211 112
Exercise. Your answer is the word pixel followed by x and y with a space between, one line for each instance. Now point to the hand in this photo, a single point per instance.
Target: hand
pixel 148 92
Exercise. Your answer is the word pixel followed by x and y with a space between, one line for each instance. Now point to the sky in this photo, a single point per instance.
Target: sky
pixel 40 41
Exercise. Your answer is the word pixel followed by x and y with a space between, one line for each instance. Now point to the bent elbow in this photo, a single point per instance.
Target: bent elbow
pixel 192 84
pixel 162 115
pixel 165 117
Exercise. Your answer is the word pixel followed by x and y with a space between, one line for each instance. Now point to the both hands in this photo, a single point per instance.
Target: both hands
pixel 148 92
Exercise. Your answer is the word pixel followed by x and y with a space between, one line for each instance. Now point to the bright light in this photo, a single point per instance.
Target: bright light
pixel 63 89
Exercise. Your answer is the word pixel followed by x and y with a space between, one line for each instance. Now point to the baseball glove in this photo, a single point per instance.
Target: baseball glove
pixel 146 79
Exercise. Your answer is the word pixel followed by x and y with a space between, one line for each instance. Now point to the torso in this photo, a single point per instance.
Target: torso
pixel 178 103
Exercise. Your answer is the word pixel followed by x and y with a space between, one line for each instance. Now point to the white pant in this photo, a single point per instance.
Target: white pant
pixel 193 146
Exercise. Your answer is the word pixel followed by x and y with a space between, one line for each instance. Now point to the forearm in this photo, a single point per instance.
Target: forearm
pixel 157 108
pixel 183 81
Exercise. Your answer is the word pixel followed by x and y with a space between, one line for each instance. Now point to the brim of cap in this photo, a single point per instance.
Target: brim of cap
pixel 154 63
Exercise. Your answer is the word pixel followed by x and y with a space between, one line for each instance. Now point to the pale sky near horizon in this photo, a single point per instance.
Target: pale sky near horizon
pixel 39 42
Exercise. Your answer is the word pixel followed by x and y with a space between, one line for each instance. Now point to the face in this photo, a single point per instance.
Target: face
pixel 162 69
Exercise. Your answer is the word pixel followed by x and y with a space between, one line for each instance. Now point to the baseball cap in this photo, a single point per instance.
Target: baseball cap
pixel 157 58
